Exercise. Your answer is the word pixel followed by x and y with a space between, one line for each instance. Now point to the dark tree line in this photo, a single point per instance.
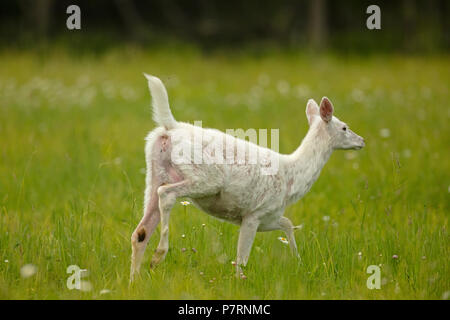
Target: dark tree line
pixel 409 25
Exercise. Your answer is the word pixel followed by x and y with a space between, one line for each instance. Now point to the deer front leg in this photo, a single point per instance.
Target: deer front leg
pixel 247 233
pixel 288 228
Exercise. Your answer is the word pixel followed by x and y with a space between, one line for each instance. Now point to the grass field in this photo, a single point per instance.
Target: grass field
pixel 72 175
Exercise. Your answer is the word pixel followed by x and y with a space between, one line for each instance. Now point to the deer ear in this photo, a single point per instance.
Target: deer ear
pixel 312 110
pixel 326 110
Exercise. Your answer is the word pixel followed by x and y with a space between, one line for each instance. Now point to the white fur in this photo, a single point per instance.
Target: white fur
pixel 235 192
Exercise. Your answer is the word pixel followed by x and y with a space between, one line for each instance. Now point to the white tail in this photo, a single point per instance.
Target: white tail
pixel 161 110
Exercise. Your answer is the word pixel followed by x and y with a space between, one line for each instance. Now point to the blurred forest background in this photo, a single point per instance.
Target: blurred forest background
pixel 406 26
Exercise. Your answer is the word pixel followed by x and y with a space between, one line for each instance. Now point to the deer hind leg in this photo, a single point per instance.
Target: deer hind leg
pixel 143 231
pixel 167 198
pixel 157 153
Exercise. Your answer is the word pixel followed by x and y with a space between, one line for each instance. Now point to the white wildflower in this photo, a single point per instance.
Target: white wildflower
pixel 350 155
pixel 283 87
pixel 28 270
pixel 385 133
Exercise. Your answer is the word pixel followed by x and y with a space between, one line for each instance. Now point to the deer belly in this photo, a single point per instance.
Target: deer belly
pixel 221 206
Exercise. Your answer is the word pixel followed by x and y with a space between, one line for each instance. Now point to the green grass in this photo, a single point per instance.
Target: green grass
pixel 72 158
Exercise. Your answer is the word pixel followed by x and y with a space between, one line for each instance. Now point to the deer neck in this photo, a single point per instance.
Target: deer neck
pixel 304 165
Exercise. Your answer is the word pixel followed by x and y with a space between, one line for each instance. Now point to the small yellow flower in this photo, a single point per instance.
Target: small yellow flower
pixel 284 240
pixel 185 203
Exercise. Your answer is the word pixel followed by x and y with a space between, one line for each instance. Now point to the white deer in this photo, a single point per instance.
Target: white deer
pixel 239 193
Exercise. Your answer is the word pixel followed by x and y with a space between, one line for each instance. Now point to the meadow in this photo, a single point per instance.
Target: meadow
pixel 72 170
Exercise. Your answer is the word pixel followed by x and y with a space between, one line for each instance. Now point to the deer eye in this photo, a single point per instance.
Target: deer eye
pixel 344 128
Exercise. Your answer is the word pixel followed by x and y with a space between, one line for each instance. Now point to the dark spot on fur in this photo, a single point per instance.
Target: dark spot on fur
pixel 141 234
